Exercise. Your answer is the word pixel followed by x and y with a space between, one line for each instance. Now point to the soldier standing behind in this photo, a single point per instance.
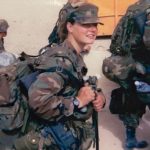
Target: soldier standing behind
pixel 130 63
pixel 6 58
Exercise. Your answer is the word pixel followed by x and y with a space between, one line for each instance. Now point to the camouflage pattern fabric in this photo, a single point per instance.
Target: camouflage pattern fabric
pixel 12 112
pixel 118 67
pixel 51 83
pixel 130 120
pixel 44 99
pixel 127 37
pixel 49 106
pixel 130 55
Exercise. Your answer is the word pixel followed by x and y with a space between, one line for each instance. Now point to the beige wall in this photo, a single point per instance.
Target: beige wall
pixel 30 23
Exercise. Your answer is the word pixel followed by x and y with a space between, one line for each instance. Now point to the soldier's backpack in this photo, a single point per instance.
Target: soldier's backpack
pixel 128 35
pixel 13 106
pixel 16 79
pixel 131 37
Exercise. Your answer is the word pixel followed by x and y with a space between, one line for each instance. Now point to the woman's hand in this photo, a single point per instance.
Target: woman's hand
pixel 99 102
pixel 85 95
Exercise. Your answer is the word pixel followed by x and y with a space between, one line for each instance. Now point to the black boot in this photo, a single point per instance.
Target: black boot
pixel 131 141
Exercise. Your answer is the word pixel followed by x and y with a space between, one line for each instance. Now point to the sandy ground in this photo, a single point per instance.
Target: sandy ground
pixel 30 24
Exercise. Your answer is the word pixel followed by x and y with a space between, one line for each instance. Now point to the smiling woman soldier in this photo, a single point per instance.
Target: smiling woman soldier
pixel 59 97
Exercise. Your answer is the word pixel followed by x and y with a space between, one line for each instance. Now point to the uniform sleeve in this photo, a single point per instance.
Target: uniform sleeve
pixel 44 99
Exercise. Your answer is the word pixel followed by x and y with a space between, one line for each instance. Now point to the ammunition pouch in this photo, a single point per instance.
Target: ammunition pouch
pixel 118 67
pixel 72 135
pixel 64 136
pixel 12 111
pixel 33 141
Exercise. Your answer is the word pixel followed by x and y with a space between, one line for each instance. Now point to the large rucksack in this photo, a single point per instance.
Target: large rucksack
pixel 13 106
pixel 128 35
pixel 16 79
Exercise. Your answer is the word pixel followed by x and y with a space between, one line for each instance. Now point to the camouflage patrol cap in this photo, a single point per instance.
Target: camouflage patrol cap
pixel 3 25
pixel 85 14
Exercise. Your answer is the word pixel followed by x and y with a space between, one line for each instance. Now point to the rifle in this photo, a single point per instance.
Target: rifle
pixel 92 81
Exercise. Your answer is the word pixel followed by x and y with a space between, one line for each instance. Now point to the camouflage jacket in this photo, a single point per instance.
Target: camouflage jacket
pixel 127 38
pixel 44 95
pixel 130 54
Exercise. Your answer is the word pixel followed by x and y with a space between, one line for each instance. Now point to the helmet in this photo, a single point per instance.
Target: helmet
pixel 3 25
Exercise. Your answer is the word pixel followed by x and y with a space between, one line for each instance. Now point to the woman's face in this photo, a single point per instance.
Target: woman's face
pixel 83 34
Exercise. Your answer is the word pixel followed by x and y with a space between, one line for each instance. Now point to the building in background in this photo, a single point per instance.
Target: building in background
pixel 110 12
pixel 32 21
